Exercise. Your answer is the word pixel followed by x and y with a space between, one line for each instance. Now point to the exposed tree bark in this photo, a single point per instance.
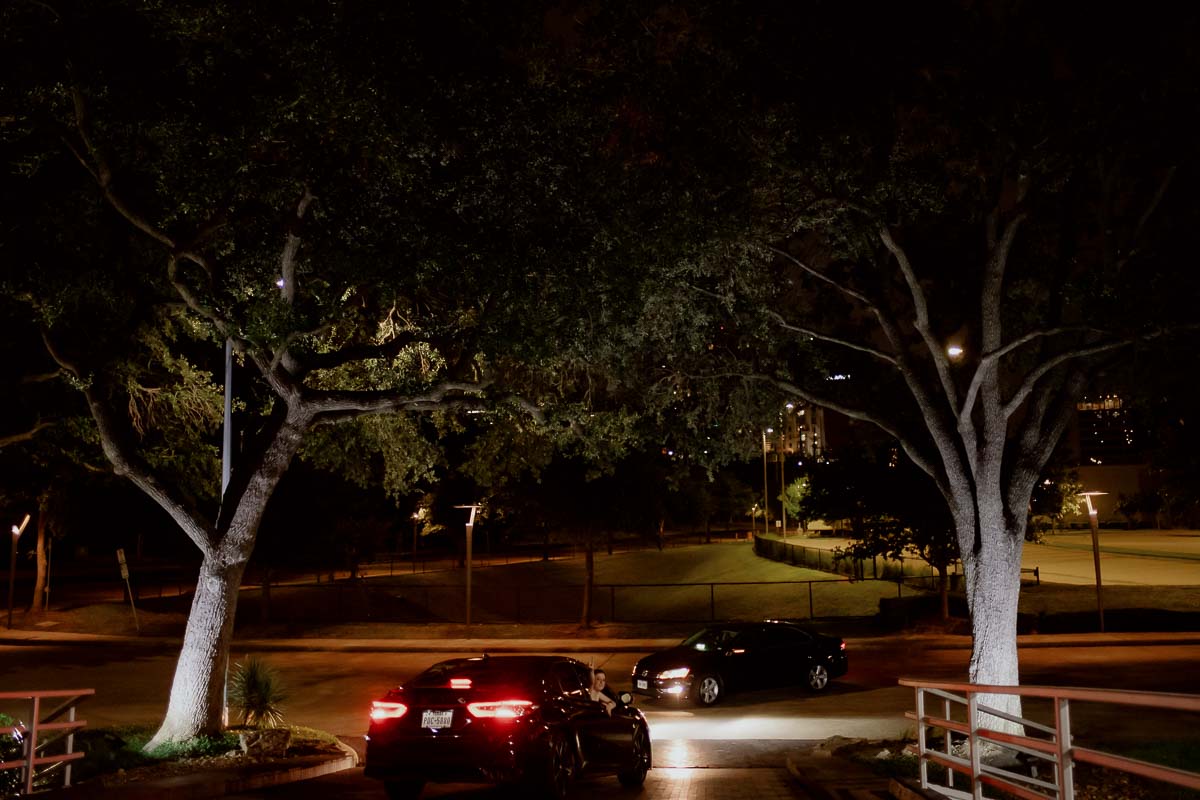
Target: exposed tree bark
pixel 37 601
pixel 197 700
pixel 589 579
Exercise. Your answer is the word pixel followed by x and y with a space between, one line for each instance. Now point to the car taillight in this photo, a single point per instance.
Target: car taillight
pixel 503 709
pixel 382 709
pixel 842 646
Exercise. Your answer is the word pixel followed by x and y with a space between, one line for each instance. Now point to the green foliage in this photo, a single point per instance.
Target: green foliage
pixel 110 749
pixel 10 750
pixel 256 692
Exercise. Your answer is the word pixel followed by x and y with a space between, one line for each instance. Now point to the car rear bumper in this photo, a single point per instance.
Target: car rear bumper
pixel 447 757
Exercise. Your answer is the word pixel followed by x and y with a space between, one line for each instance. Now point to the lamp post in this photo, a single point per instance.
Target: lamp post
pixel 766 503
pixel 470 531
pixel 12 564
pixel 1092 521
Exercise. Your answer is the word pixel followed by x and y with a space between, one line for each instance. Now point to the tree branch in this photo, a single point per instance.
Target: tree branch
pixel 375 402
pixel 103 174
pixel 937 350
pixel 287 259
pixel 1151 207
pixel 787 326
pixel 909 446
pixel 1035 375
pixel 117 447
pixel 26 435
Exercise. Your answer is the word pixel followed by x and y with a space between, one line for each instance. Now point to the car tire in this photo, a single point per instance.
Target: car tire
pixel 635 776
pixel 403 790
pixel 708 690
pixel 817 679
pixel 556 769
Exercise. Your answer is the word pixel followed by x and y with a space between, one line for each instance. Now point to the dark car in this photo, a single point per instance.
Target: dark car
pixel 525 721
pixel 741 655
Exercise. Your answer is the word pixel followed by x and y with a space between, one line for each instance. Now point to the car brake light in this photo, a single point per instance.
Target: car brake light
pixel 503 709
pixel 460 683
pixel 842 646
pixel 382 709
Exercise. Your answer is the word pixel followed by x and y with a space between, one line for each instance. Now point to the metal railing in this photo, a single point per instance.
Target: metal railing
pixel 964 739
pixel 34 745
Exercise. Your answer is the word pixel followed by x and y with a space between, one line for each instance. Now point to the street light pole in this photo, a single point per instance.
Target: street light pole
pixel 766 529
pixel 12 564
pixel 1092 521
pixel 470 532
pixel 782 486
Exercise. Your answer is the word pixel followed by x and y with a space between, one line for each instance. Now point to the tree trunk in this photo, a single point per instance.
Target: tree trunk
pixel 993 585
pixel 264 600
pixel 589 579
pixel 197 698
pixel 37 603
pixel 944 590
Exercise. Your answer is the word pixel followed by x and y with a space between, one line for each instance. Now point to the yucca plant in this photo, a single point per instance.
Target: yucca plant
pixel 257 694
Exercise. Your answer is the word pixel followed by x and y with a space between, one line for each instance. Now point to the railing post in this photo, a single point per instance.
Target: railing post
pixel 1062 736
pixel 31 743
pixel 973 743
pixel 948 744
pixel 70 746
pixel 924 765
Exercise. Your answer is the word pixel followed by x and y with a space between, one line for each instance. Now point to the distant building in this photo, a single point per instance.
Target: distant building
pixel 1110 453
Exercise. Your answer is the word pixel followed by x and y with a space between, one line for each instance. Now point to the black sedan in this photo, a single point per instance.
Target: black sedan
pixel 524 721
pixel 742 655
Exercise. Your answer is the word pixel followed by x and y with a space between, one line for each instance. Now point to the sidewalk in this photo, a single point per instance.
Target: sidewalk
pixel 456 642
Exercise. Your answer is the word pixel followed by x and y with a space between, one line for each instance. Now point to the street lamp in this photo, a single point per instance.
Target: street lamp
pixel 1092 521
pixel 470 531
pixel 12 564
pixel 766 505
pixel 955 351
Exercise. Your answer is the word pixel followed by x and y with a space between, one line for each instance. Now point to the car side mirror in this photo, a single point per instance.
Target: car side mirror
pixel 626 698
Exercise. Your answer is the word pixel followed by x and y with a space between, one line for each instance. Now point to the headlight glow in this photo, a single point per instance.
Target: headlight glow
pixel 681 672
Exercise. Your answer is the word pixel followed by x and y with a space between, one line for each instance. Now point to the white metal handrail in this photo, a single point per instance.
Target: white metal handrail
pixel 31 734
pixel 1050 743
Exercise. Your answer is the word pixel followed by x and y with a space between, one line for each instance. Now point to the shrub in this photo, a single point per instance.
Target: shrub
pixel 256 692
pixel 10 750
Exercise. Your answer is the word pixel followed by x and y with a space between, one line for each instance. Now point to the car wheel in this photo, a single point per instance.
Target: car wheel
pixel 403 790
pixel 818 678
pixel 709 690
pixel 635 776
pixel 553 780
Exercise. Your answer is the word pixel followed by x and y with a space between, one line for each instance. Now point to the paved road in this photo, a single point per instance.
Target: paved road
pixel 661 784
pixel 333 690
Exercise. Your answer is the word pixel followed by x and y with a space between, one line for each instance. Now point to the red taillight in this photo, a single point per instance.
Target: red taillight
pixel 460 683
pixel 502 709
pixel 382 709
pixel 842 646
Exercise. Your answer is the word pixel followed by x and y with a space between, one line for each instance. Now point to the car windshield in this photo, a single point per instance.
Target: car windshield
pixel 710 639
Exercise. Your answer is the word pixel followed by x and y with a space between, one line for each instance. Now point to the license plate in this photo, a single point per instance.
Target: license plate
pixel 436 719
pixel 643 685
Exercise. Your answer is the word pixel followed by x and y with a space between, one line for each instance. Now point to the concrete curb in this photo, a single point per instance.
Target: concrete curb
pixel 211 783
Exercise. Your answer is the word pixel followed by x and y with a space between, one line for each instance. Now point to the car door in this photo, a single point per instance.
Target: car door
pixel 790 651
pixel 597 733
pixel 741 658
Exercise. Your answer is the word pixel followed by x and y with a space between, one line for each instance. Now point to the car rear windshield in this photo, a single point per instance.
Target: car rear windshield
pixel 482 672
